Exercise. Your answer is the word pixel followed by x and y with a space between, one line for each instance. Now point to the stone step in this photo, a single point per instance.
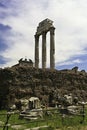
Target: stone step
pixel 37 128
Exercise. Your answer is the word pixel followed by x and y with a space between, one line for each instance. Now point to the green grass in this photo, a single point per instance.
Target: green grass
pixel 54 121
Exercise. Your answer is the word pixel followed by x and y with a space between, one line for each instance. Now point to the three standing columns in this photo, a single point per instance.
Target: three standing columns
pixel 52 49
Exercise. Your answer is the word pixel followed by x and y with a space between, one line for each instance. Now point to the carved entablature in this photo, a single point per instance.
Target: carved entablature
pixel 44 26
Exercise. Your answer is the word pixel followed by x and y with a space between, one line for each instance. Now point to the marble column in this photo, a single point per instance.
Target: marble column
pixel 36 51
pixel 43 50
pixel 52 48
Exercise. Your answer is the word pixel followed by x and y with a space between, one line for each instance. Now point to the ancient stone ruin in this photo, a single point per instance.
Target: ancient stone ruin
pixel 42 29
pixel 26 63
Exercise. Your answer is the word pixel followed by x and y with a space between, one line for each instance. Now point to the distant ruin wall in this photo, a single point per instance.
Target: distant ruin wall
pixel 26 63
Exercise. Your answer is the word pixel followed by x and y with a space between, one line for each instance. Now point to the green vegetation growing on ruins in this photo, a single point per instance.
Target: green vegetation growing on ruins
pixel 53 121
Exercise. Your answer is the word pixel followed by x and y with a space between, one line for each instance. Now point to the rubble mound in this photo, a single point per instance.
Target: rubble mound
pixel 19 82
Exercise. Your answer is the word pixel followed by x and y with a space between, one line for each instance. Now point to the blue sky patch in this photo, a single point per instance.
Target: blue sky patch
pixel 3 45
pixel 4 27
pixel 3 60
pixel 2 5
pixel 4 31
pixel 81 65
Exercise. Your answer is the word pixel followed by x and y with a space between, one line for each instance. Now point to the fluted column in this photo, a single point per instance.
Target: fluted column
pixel 36 51
pixel 43 50
pixel 52 48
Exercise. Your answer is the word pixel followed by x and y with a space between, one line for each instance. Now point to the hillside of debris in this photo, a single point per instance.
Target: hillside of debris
pixel 49 85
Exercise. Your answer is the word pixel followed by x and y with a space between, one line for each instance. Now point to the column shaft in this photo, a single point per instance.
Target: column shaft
pixel 52 48
pixel 36 51
pixel 43 50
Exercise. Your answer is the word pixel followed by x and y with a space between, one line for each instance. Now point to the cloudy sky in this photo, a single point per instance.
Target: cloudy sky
pixel 19 20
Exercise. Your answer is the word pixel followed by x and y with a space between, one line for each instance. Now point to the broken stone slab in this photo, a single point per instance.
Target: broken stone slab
pixel 28 129
pixel 37 128
pixel 17 127
pixel 31 118
pixel 1 122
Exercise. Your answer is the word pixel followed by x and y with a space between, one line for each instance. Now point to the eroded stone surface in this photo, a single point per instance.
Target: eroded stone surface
pixel 42 29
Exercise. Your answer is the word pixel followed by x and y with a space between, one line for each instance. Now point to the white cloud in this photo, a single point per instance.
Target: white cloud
pixel 70 20
pixel 71 62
